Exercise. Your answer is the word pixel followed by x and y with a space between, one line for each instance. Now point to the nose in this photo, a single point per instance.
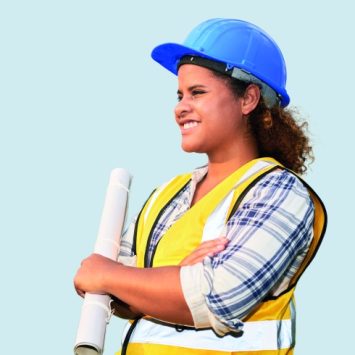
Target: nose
pixel 182 108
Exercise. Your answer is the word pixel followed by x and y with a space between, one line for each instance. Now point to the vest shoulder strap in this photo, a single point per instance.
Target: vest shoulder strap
pixel 319 224
pixel 166 194
pixel 319 228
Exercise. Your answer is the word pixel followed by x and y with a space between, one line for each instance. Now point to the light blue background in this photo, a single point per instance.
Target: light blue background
pixel 79 95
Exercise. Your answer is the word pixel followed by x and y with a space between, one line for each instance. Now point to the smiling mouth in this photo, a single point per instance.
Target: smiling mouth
pixel 190 124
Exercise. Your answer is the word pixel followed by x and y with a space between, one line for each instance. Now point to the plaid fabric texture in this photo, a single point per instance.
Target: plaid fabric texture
pixel 269 236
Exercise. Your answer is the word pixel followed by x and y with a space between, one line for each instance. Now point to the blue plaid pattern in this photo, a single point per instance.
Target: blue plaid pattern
pixel 173 212
pixel 269 236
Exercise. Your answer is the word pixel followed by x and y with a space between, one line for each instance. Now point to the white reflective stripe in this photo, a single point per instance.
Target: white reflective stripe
pixel 293 321
pixel 217 220
pixel 261 335
pixel 262 164
pixel 154 197
pixel 215 224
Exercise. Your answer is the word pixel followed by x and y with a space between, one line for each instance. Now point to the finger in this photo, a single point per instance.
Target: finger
pixel 213 242
pixel 76 282
pixel 200 253
pixel 212 249
pixel 209 247
pixel 215 245
pixel 80 292
pixel 191 260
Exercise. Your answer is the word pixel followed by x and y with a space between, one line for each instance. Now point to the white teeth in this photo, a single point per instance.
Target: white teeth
pixel 190 124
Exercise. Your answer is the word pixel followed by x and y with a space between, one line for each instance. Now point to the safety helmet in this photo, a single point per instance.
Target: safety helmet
pixel 246 51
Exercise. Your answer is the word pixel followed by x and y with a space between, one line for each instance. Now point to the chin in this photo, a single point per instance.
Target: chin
pixel 189 148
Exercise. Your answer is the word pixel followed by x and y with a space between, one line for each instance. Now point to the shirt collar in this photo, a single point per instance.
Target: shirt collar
pixel 198 174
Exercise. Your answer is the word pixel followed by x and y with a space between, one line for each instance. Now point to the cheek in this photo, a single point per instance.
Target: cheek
pixel 233 113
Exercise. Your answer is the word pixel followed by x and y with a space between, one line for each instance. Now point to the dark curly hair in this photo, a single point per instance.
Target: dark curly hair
pixel 277 131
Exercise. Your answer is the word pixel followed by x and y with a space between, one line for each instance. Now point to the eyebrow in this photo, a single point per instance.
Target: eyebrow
pixel 190 88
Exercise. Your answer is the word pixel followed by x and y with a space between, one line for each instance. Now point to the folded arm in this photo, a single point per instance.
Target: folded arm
pixel 269 236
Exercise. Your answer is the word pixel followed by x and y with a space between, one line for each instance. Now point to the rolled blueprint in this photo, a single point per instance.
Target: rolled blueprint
pixel 96 310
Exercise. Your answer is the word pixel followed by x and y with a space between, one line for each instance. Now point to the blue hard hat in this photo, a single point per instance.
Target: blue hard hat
pixel 238 44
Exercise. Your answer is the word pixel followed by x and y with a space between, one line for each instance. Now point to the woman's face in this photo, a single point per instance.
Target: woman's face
pixel 208 113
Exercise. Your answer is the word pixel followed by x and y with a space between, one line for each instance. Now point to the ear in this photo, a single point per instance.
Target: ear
pixel 250 99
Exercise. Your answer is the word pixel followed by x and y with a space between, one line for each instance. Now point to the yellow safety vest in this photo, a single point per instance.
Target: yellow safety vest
pixel 270 328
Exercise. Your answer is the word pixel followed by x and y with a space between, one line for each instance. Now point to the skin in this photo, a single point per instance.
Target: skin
pixel 218 121
pixel 222 130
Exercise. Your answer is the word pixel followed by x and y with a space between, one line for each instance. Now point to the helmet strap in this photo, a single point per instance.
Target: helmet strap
pixel 270 96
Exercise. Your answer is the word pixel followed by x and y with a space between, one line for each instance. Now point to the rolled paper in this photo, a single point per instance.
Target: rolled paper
pixel 96 310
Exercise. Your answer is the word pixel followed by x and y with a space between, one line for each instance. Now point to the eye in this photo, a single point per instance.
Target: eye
pixel 197 92
pixel 179 97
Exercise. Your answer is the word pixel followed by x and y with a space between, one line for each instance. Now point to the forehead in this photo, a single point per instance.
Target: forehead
pixel 190 73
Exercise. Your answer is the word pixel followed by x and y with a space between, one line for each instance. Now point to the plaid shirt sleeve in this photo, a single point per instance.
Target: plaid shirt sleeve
pixel 126 255
pixel 269 235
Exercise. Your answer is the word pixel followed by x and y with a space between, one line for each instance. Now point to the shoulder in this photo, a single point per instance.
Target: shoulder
pixel 278 203
pixel 281 180
pixel 170 189
pixel 279 189
pixel 177 181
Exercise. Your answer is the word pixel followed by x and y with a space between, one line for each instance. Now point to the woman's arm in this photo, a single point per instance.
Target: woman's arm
pixel 261 236
pixel 269 235
pixel 155 292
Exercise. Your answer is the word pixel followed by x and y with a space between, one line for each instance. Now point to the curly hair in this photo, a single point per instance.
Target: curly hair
pixel 277 131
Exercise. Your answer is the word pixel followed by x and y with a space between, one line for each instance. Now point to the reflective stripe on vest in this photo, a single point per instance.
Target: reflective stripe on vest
pixel 262 335
pixel 257 336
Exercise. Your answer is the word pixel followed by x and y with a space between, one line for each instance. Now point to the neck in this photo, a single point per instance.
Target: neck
pixel 218 171
pixel 221 166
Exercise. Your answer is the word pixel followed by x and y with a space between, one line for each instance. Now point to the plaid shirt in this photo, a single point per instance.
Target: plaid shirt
pixel 269 236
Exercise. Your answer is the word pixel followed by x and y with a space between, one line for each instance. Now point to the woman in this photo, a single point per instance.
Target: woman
pixel 217 253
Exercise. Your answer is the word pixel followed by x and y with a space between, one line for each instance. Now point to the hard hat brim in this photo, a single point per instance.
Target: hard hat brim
pixel 169 54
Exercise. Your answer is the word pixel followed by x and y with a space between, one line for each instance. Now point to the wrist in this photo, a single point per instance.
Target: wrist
pixel 110 277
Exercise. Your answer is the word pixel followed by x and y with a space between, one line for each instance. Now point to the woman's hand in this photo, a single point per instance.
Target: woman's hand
pixel 91 278
pixel 208 248
pixel 91 275
pixel 153 291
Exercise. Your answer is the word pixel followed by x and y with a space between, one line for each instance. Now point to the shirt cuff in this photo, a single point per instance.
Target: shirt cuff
pixel 194 289
pixel 128 260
